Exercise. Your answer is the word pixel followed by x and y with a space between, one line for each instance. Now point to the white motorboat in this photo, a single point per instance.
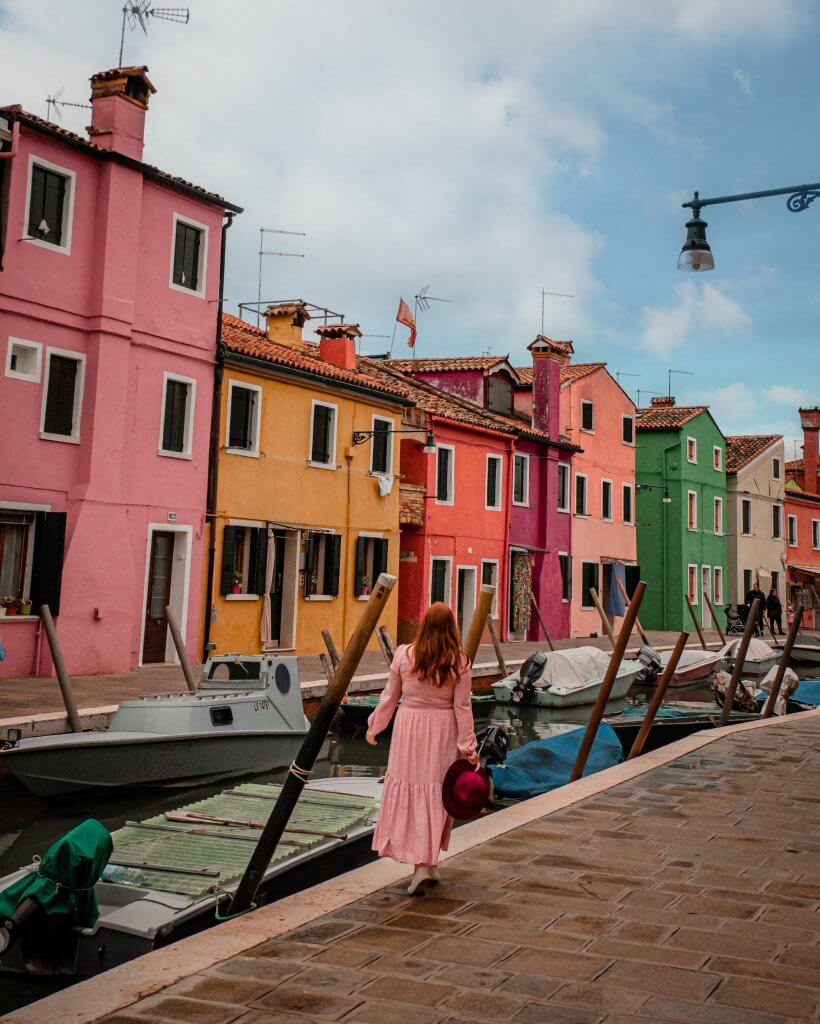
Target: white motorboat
pixel 760 658
pixel 693 666
pixel 563 679
pixel 806 651
pixel 245 716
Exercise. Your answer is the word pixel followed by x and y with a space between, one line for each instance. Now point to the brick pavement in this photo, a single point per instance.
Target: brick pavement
pixel 688 894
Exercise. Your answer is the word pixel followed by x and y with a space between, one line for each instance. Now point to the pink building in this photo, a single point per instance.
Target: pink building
pixel 109 291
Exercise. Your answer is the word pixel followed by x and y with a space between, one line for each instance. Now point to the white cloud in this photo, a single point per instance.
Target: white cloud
pixel 788 394
pixel 744 82
pixel 701 313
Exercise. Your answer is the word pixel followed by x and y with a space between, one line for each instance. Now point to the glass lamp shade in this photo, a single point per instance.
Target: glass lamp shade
pixel 429 444
pixel 696 260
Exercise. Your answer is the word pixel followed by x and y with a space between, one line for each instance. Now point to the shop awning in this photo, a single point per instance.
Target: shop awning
pixel 809 570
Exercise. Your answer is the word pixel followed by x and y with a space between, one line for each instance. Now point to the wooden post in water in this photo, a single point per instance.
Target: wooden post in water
pixel 593 593
pixel 541 620
pixel 386 644
pixel 708 600
pixel 696 621
pixel 499 654
pixel 606 683
pixel 658 695
pixel 777 682
pixel 331 648
pixel 742 648
pixel 479 621
pixel 179 644
pixel 638 625
pixel 324 661
pixel 59 668
pixel 302 766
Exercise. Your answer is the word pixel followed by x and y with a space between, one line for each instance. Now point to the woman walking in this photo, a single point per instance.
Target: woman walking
pixel 434 726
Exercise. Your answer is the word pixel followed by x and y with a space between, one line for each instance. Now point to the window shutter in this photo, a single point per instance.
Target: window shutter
pixel 179 252
pixel 632 578
pixel 53 207
pixel 47 564
pixel 258 560
pixel 62 379
pixel 333 555
pixel 238 431
pixel 380 460
pixel 379 560
pixel 192 254
pixel 310 563
pixel 176 399
pixel 443 475
pixel 320 449
pixel 229 538
pixel 361 545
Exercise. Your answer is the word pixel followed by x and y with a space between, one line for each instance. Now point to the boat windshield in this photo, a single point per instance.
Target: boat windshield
pixel 235 670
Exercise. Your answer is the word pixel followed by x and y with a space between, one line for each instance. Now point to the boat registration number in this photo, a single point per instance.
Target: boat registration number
pixel 261 705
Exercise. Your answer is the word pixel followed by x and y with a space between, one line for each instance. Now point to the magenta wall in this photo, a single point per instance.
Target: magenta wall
pixel 467 384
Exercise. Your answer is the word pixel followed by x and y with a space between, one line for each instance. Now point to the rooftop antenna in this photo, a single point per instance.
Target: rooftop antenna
pixel 689 373
pixel 137 12
pixel 623 373
pixel 54 101
pixel 423 300
pixel 558 295
pixel 645 391
pixel 268 252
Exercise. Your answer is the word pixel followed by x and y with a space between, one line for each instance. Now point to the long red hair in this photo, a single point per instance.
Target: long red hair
pixel 438 656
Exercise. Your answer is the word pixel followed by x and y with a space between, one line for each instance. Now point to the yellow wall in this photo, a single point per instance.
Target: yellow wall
pixel 281 487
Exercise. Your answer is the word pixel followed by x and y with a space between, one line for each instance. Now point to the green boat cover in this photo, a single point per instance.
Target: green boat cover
pixel 64 880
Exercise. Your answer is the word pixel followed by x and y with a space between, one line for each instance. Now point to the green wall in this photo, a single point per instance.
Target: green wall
pixel 666 546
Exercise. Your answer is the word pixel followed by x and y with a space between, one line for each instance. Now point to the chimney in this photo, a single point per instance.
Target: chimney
pixel 663 401
pixel 548 357
pixel 119 99
pixel 810 422
pixel 285 321
pixel 337 344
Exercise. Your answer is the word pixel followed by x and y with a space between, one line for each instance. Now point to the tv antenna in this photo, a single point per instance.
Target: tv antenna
pixel 623 373
pixel 558 295
pixel 689 373
pixel 645 391
pixel 55 102
pixel 268 252
pixel 137 12
pixel 423 300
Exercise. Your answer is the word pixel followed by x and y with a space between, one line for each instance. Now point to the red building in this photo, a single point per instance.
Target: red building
pixel 803 523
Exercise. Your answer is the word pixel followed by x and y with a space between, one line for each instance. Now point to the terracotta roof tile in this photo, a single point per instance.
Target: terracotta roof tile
pixel 444 363
pixel 742 448
pixel 524 376
pixel 670 417
pixel 796 466
pixel 576 371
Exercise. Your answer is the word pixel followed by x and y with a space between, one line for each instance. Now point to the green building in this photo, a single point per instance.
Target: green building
pixel 681 513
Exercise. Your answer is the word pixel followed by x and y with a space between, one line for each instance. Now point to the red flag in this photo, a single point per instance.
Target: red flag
pixel 404 316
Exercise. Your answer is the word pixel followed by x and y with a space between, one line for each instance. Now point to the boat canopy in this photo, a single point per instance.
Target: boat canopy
pixel 758 650
pixel 574 669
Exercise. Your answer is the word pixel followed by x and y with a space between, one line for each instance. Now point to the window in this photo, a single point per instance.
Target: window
pixel 371 561
pixel 746 517
pixel 563 487
pixel 718 516
pixel 747 582
pixel 581 494
pixel 177 415
pixel 489 578
pixel 717 458
pixel 188 264
pixel 499 394
pixel 589 581
pixel 628 429
pixel 23 360
pixel 691 450
pixel 565 564
pixel 440 571
pixel 692 510
pixel 587 415
pixel 32 546
pixel 493 488
pixel 15 539
pixel 776 581
pixel 322 559
pixel 445 457
pixel 244 554
pixel 50 205
pixel 718 584
pixel 62 395
pixel 815 534
pixel 521 479
pixel 791 527
pixel 244 401
pixel 775 469
pixel 606 499
pixel 692 583
pixel 627 503
pixel 381 452
pixel 323 435
pixel 777 521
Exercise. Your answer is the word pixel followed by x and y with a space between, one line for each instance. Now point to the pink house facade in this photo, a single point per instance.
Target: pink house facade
pixel 109 291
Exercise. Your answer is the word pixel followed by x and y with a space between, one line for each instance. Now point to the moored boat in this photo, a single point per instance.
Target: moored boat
pixel 760 658
pixel 567 678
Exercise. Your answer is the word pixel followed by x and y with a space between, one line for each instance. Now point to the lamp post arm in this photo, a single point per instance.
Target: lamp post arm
pixel 800 197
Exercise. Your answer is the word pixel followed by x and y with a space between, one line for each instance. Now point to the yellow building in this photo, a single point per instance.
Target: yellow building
pixel 305 518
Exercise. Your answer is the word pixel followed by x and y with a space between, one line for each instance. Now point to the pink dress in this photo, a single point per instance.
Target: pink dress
pixel 433 728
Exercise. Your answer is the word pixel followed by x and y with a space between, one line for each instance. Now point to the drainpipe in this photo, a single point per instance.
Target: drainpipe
pixel 213 448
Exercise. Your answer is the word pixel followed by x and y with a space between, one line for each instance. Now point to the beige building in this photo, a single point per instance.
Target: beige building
pixel 755 518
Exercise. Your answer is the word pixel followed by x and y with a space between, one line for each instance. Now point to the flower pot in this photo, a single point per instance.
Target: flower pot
pixel 236 588
pixel 25 607
pixel 10 610
pixel 2 610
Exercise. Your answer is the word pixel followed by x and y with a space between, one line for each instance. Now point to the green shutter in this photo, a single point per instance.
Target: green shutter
pixel 379 560
pixel 47 564
pixel 333 555
pixel 258 561
pixel 361 543
pixel 310 563
pixel 229 538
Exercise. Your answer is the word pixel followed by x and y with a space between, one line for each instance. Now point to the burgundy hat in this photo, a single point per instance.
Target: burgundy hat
pixel 465 790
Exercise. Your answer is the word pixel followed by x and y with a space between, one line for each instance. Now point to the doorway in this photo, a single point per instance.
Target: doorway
pixel 160 571
pixel 705 588
pixel 277 588
pixel 465 597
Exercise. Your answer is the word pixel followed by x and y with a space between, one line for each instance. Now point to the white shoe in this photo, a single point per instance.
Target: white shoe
pixel 432 874
pixel 418 882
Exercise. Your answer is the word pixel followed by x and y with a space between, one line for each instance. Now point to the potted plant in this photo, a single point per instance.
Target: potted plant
pixel 24 606
pixel 364 586
pixel 9 603
pixel 237 581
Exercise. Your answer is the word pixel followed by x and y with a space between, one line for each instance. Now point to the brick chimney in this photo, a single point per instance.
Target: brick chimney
pixel 337 344
pixel 285 321
pixel 663 401
pixel 548 357
pixel 810 422
pixel 119 100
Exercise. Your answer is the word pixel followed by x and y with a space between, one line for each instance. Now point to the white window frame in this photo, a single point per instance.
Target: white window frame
pixel 777 505
pixel 27 507
pixel 717 584
pixel 610 518
pixel 202 269
pixel 694 526
pixel 526 502
pixel 74 437
pixel 717 504
pixel 188 432
pixel 391 426
pixel 568 476
pixel 68 205
pixel 585 478
pixel 565 554
pixel 451 476
pixel 694 597
pixel 586 596
pixel 252 453
pixel 628 416
pixel 32 346
pixel 791 520
pixel 591 404
pixel 694 442
pixel 717 458
pixel 497 564
pixel 631 489
pixel 498 501
pixel 331 463
pixel 743 503
pixel 776 463
pixel 448 578
pixel 815 534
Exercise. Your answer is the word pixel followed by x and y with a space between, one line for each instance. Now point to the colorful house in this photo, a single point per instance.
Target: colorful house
pixel 681 512
pixel 306 509
pixel 109 285
pixel 755 524
pixel 803 523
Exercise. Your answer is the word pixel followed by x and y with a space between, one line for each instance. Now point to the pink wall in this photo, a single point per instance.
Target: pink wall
pixel 468 384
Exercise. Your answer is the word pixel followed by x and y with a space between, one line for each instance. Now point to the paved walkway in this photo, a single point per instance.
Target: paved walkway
pixel 687 894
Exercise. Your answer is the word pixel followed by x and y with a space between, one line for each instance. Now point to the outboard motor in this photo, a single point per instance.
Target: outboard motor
pixel 528 675
pixel 652 665
pixel 493 744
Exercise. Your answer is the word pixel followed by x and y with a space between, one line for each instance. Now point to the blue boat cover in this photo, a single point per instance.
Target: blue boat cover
pixel 544 765
pixel 807 692
pixel 668 711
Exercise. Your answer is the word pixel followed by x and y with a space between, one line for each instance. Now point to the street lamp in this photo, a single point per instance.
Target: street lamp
pixel 362 436
pixel 667 497
pixel 696 255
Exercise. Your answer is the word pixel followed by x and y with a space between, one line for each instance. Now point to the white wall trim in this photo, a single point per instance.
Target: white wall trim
pixel 190 405
pixel 448 576
pixel 257 419
pixel 33 346
pixel 526 501
pixel 610 518
pixel 331 463
pixel 391 439
pixel 451 475
pixel 491 456
pixel 74 437
pixel 202 270
pixel 182 612
pixel 68 205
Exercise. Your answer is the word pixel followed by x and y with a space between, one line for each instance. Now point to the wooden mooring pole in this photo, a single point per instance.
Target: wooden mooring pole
pixel 331 648
pixel 696 621
pixel 777 682
pixel 593 593
pixel 179 644
pixel 59 667
pixel 638 625
pixel 606 683
pixel 740 658
pixel 386 644
pixel 499 654
pixel 479 620
pixel 657 696
pixel 708 600
pixel 541 620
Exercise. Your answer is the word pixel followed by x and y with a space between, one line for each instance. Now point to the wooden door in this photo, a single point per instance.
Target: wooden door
pixel 160 567
pixel 277 584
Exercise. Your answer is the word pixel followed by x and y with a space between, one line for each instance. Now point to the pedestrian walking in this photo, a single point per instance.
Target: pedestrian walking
pixel 774 609
pixel 756 592
pixel 433 727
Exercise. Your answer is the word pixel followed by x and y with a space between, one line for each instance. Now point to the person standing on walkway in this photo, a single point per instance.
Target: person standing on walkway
pixel 433 727
pixel 756 592
pixel 774 609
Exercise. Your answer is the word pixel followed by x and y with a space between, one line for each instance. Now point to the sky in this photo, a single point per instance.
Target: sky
pixel 492 150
